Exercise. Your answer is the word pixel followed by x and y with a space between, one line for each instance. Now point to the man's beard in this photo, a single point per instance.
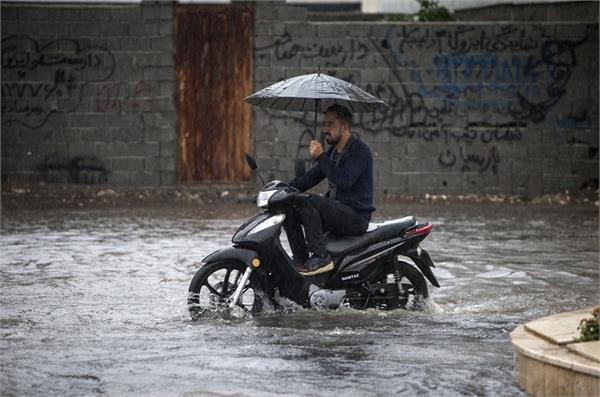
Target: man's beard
pixel 331 140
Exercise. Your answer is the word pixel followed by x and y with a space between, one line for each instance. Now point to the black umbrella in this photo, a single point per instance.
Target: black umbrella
pixel 316 91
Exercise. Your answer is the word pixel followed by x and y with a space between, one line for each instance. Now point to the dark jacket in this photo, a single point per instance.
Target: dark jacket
pixel 352 176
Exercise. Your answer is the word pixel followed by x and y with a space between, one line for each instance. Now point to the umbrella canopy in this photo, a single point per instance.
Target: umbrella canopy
pixel 316 92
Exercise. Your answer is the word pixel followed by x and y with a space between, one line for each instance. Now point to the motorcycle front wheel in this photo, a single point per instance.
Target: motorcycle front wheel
pixel 213 287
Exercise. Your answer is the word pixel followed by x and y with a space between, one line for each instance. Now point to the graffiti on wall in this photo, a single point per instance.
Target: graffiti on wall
pixel 42 79
pixel 116 96
pixel 488 84
pixel 328 55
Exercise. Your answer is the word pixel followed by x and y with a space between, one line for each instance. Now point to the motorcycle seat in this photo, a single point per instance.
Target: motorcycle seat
pixel 376 232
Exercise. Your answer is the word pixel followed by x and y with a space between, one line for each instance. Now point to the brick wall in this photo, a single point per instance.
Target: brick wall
pixel 88 96
pixel 87 93
pixel 476 107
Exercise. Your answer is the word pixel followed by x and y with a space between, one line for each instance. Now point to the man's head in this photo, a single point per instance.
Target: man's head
pixel 336 123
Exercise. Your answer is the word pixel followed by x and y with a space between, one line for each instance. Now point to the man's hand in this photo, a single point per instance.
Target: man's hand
pixel 316 149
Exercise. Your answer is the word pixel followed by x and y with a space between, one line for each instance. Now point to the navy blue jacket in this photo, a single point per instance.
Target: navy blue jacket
pixel 352 176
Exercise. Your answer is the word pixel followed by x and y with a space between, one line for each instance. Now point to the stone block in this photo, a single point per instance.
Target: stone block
pixel 159 73
pixel 160 164
pixel 265 10
pixel 147 28
pixel 75 149
pixel 420 182
pixel 84 30
pixel 132 164
pixel 375 75
pixel 514 151
pixel 67 135
pixel 18 28
pixel 584 384
pixel 51 29
pixel 263 28
pixel 168 178
pixel 166 119
pixel 163 43
pixel 131 43
pixel 56 149
pixel 157 11
pixel 553 183
pixel 571 31
pixel 588 169
pixel 406 165
pixel 95 14
pixel 532 165
pixel 168 148
pixel 126 12
pixel 97 134
pixel 302 33
pixel 119 178
pixel 262 60
pixel 154 58
pixel 9 12
pixel 291 13
pixel 32 13
pixel 418 149
pixel 145 149
pixel 113 149
pixel 166 28
pixel 332 30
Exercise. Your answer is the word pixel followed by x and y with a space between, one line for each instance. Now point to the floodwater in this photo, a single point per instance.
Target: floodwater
pixel 95 304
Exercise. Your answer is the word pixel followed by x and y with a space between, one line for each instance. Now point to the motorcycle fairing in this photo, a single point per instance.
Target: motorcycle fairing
pixel 242 235
pixel 354 269
pixel 231 253
pixel 423 261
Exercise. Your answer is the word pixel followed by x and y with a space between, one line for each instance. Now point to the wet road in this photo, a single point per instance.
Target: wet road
pixel 94 303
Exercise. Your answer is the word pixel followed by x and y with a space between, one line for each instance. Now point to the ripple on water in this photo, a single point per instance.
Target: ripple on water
pixel 95 304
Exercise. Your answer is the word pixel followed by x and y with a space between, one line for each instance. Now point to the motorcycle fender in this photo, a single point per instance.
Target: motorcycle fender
pixel 232 253
pixel 424 263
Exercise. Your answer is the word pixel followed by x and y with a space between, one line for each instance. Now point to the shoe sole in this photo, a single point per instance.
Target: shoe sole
pixel 320 270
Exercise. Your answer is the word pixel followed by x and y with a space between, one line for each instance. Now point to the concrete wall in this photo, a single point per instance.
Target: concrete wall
pixel 578 11
pixel 478 107
pixel 88 96
pixel 87 93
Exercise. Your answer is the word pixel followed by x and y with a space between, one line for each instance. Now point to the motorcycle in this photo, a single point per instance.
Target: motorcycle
pixel 385 268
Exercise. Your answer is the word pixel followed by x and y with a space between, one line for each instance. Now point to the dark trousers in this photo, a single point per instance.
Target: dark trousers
pixel 318 215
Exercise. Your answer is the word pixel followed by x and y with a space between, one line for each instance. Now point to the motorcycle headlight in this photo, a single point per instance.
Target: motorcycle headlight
pixel 262 200
pixel 267 223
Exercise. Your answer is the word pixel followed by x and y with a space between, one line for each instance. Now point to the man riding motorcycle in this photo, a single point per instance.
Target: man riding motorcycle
pixel 346 209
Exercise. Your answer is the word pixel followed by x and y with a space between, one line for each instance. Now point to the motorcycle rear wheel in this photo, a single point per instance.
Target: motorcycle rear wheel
pixel 213 286
pixel 412 286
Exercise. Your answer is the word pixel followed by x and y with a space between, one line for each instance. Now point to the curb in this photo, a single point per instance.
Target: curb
pixel 550 363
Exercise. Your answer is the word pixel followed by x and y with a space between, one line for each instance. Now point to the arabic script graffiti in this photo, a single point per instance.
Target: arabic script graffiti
pixel 40 80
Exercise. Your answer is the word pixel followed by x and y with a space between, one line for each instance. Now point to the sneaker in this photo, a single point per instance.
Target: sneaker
pixel 316 265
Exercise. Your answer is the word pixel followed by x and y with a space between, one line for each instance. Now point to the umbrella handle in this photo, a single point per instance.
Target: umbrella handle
pixel 316 110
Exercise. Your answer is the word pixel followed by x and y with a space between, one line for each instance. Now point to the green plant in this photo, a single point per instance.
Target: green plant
pixel 430 11
pixel 589 328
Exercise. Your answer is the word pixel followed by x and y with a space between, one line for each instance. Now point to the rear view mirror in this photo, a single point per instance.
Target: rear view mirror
pixel 251 162
pixel 299 168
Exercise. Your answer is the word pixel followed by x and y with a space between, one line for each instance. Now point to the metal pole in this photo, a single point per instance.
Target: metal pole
pixel 316 110
pixel 240 287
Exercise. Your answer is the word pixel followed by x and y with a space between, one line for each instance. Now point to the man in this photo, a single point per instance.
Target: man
pixel 347 207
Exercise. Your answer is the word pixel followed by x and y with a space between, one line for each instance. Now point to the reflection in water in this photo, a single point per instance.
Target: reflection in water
pixel 95 303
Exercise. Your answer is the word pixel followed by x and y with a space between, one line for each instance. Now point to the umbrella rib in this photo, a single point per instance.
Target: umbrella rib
pixel 351 107
pixel 289 102
pixel 261 100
